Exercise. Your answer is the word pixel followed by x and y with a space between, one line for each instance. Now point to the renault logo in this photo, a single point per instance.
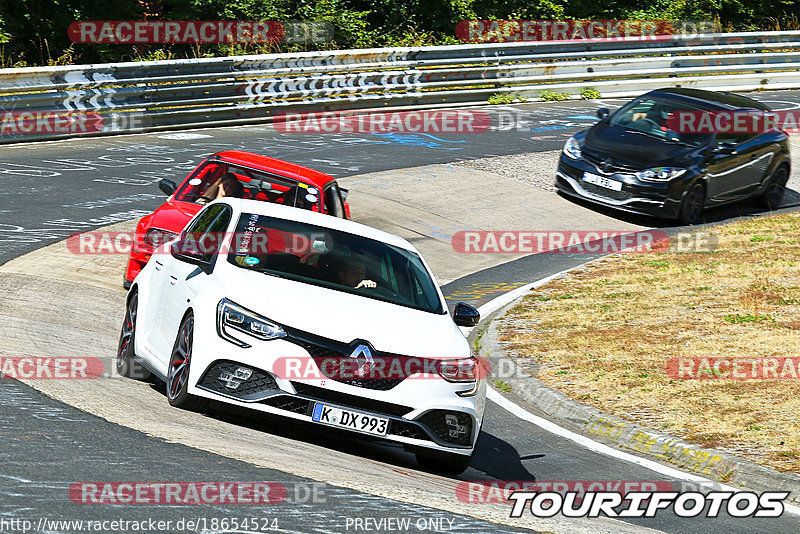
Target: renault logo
pixel 363 355
pixel 607 164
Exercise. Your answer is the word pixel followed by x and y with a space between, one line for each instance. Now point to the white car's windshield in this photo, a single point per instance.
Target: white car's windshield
pixel 334 259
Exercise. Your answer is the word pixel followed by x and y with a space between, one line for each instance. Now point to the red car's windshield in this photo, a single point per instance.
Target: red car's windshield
pixel 206 184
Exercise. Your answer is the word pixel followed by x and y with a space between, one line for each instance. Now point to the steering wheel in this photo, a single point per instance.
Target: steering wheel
pixel 653 124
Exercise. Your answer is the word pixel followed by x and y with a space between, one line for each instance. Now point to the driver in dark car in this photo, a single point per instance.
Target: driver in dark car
pixel 351 273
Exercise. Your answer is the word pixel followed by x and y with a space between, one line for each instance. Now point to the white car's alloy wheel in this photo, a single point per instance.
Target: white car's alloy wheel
pixel 178 375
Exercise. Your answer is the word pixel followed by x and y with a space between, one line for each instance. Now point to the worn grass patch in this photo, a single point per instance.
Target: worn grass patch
pixel 604 335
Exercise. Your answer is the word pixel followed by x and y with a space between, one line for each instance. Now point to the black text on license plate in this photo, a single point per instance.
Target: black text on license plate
pixel 360 422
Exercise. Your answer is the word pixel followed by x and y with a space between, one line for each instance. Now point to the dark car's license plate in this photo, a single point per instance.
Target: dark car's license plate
pixel 602 181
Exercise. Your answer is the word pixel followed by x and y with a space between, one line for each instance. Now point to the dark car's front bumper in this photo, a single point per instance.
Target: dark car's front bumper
pixel 657 199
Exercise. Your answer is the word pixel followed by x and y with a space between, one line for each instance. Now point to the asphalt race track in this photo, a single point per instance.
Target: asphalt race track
pixel 51 190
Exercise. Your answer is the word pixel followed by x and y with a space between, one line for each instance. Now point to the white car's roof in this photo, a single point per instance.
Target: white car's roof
pixel 269 209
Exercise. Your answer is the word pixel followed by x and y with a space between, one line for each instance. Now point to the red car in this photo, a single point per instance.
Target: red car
pixel 262 178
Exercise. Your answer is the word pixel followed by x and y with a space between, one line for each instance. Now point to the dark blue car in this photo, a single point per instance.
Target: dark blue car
pixel 633 159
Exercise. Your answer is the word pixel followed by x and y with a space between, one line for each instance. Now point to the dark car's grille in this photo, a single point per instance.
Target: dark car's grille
pixel 333 352
pixel 250 388
pixel 407 430
pixel 606 193
pixel 345 400
pixel 450 427
pixel 597 160
pixel 288 403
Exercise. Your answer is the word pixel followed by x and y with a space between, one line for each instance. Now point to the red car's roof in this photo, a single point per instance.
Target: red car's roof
pixel 275 166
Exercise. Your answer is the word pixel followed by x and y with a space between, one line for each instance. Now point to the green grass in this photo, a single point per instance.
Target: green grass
pixel 500 385
pixel 738 318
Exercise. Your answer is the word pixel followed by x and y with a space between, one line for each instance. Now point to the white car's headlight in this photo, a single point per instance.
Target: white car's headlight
pixel 571 148
pixel 231 316
pixel 660 174
pixel 464 370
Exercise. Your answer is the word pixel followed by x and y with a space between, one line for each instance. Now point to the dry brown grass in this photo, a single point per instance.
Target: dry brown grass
pixel 603 336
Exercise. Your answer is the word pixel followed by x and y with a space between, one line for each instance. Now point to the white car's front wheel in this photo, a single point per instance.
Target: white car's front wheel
pixel 178 374
pixel 127 365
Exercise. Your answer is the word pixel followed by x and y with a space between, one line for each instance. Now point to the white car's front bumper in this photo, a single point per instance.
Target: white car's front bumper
pixel 416 407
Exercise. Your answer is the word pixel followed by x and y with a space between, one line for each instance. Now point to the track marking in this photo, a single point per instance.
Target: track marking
pixel 594 446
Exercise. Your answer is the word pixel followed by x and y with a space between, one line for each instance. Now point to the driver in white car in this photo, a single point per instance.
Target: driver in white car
pixel 352 272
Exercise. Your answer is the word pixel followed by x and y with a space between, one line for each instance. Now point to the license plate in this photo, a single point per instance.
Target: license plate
pixel 360 422
pixel 602 181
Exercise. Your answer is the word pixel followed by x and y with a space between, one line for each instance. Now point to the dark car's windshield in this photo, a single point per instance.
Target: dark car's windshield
pixel 205 185
pixel 334 259
pixel 648 115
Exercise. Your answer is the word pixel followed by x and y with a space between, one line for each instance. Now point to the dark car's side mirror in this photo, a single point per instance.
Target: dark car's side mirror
pixel 602 113
pixel 167 186
pixel 725 148
pixel 189 254
pixel 466 315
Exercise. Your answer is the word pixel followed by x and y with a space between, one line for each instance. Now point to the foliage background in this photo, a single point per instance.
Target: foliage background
pixel 34 32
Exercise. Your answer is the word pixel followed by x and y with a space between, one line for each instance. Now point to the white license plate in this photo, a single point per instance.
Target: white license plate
pixel 360 422
pixel 602 181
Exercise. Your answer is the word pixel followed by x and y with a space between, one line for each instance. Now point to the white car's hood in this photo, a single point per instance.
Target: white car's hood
pixel 345 317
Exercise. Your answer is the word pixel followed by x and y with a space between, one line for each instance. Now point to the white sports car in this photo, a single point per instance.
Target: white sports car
pixel 310 317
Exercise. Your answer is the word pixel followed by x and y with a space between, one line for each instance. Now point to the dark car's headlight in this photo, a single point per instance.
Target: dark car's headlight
pixel 660 174
pixel 572 149
pixel 231 316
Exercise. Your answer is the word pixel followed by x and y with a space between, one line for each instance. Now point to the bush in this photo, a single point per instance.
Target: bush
pixel 553 96
pixel 501 98
pixel 589 93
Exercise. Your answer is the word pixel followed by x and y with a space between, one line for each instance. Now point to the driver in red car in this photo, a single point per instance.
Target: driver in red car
pixel 230 186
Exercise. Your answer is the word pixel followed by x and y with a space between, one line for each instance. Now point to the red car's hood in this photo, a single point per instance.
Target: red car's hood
pixel 173 215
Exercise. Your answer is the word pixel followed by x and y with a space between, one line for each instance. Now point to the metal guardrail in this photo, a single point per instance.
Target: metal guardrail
pixel 156 95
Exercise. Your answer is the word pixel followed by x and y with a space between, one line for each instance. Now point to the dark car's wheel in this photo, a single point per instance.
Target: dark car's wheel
pixel 692 207
pixel 444 463
pixel 127 365
pixel 178 374
pixel 776 187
